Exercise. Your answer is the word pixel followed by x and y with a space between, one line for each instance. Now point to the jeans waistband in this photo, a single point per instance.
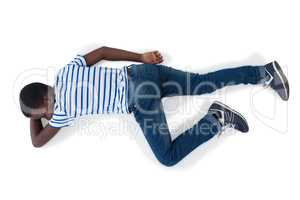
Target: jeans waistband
pixel 131 105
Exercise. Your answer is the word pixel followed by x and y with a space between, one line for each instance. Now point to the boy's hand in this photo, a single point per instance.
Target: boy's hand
pixel 153 57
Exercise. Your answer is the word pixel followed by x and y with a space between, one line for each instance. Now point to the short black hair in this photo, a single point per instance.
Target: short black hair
pixel 31 97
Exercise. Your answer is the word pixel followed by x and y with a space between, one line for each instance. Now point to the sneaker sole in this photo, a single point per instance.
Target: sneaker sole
pixel 232 110
pixel 282 77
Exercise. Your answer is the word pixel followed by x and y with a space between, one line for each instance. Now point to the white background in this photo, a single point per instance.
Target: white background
pixel 108 161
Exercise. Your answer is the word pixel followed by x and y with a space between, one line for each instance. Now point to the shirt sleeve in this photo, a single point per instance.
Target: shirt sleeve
pixel 79 61
pixel 60 119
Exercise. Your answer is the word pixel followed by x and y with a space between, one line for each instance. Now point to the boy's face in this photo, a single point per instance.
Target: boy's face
pixel 45 110
pixel 42 112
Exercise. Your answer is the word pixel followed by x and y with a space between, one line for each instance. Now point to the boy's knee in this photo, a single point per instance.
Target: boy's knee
pixel 167 161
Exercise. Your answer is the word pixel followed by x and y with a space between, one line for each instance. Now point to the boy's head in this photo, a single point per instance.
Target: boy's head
pixel 37 100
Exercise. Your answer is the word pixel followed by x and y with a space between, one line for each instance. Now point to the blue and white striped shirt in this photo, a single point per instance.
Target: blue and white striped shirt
pixel 83 90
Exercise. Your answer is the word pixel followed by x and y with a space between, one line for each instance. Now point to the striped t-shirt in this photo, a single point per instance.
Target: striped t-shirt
pixel 83 90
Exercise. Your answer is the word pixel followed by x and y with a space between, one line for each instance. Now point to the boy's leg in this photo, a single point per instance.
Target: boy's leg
pixel 155 128
pixel 145 103
pixel 176 82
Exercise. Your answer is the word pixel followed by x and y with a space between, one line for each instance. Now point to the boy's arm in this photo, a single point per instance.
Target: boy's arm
pixel 39 134
pixel 113 54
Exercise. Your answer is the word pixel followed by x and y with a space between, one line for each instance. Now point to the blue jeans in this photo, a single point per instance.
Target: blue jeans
pixel 148 84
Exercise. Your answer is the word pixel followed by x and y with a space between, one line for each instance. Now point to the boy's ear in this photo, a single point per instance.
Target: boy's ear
pixel 46 100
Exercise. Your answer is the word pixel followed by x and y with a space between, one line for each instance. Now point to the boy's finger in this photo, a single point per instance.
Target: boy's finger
pixel 157 53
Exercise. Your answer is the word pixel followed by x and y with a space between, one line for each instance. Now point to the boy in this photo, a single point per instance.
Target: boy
pixel 83 89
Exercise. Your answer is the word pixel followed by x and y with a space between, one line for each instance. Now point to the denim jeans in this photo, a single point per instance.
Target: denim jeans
pixel 148 84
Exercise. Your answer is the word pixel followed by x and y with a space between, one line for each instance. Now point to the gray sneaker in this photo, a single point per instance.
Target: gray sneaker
pixel 278 80
pixel 228 117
